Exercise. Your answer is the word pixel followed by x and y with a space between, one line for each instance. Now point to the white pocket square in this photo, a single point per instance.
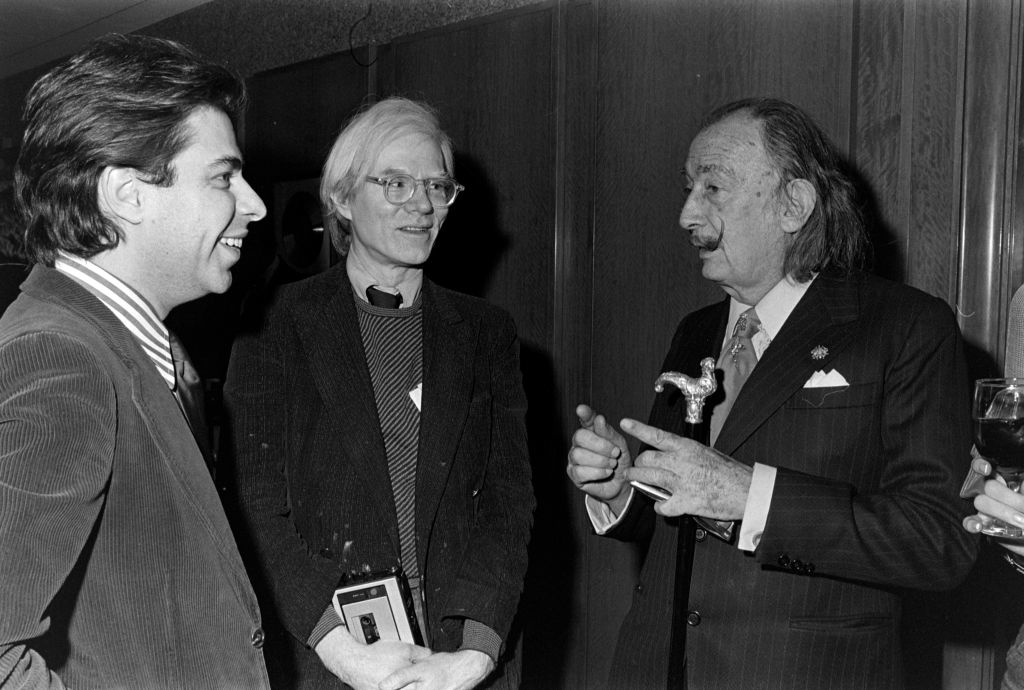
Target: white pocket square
pixel 819 379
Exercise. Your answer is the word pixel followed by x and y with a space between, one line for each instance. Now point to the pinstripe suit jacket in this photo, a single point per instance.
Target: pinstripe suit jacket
pixel 865 502
pixel 117 565
pixel 313 479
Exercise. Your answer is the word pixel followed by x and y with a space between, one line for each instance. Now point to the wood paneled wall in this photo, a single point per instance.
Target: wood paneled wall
pixel 571 121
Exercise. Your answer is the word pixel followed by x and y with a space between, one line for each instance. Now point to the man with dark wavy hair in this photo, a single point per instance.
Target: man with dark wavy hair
pixel 824 475
pixel 117 565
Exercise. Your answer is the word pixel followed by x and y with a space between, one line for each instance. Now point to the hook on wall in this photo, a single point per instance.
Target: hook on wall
pixel 351 30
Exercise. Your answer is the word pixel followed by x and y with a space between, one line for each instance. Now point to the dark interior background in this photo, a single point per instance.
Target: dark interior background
pixel 571 121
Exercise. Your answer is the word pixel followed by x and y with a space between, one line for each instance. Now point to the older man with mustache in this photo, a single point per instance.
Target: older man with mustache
pixel 824 475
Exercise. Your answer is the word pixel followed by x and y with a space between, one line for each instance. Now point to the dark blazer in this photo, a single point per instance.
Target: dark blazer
pixel 117 565
pixel 865 501
pixel 312 474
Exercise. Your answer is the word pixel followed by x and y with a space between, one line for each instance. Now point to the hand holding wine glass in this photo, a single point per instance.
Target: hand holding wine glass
pixel 998 414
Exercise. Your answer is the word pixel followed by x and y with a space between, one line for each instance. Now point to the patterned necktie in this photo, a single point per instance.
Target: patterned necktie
pixel 737 360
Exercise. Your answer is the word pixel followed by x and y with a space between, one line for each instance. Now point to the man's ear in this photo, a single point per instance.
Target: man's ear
pixel 120 195
pixel 798 203
pixel 341 205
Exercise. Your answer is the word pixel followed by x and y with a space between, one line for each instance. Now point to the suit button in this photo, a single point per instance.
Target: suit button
pixel 326 552
pixel 701 534
pixel 257 638
pixel 797 565
pixel 639 588
pixel 809 569
pixel 693 618
pixel 784 560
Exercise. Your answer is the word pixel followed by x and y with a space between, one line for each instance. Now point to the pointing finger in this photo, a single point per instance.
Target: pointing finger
pixel 652 436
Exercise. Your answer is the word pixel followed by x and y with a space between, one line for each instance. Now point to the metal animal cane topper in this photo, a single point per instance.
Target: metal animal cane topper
pixel 695 390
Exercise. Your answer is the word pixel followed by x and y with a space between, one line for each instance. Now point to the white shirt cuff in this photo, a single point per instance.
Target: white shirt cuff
pixel 755 513
pixel 601 515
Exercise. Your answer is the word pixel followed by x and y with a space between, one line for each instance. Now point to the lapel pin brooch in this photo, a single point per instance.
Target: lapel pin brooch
pixel 819 352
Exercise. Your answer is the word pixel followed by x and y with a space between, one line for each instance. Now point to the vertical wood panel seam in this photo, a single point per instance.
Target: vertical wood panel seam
pixel 571 323
pixel 594 75
pixel 907 84
pixel 560 78
pixel 848 116
pixel 961 209
pixel 595 107
pixel 1007 241
pixel 1016 223
pixel 559 311
pixel 984 287
pixel 853 83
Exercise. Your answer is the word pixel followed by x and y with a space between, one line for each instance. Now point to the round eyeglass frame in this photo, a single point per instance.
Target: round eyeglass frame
pixel 386 180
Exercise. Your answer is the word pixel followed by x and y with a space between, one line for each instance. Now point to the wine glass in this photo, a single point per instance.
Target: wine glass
pixel 998 413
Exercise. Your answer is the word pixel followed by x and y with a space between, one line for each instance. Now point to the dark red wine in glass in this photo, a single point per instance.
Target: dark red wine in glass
pixel 998 414
pixel 1001 441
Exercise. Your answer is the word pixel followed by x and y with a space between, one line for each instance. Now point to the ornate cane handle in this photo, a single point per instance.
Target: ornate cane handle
pixel 695 390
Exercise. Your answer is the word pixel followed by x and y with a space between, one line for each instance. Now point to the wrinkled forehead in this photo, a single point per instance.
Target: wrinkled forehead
pixel 732 147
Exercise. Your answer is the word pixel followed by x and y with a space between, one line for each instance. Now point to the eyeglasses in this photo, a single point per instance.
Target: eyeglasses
pixel 399 188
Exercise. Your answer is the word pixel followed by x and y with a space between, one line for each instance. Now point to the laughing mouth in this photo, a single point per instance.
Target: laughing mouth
pixel 235 242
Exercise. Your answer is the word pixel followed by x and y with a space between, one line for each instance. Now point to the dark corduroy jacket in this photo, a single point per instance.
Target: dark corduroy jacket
pixel 117 565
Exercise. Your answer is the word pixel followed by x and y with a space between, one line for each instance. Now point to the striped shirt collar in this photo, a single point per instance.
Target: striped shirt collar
pixel 128 306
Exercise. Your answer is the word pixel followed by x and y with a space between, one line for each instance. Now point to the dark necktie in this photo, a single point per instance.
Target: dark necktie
pixel 379 298
pixel 737 360
pixel 190 394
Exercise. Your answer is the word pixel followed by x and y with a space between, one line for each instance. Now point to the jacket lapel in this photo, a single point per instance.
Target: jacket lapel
pixel 185 462
pixel 449 342
pixel 328 330
pixel 160 413
pixel 826 317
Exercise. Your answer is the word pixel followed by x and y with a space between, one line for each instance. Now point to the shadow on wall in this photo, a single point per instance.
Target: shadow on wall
pixel 546 607
pixel 471 243
pixel 886 258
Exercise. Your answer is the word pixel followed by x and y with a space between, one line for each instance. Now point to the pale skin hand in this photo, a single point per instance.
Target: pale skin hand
pixel 364 666
pixel 702 481
pixel 460 670
pixel 998 502
pixel 598 460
